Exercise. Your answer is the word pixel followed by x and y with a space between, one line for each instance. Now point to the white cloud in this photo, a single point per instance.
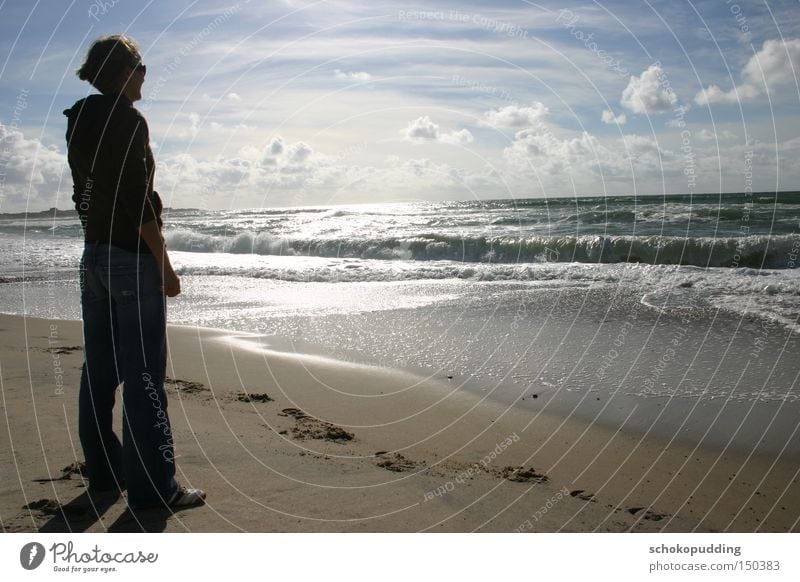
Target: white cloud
pixel 319 179
pixel 775 66
pixel 199 126
pixel 194 126
pixel 460 137
pixel 250 152
pixel 423 129
pixel 299 153
pixel 648 93
pixel 646 161
pixel 34 175
pixel 677 119
pixel 546 158
pixel 515 117
pixel 609 117
pixel 477 79
pixel 275 146
pixel 713 94
pixel 707 135
pixel 541 151
pixel 352 75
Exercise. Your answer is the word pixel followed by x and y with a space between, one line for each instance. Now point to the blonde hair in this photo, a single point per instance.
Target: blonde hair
pixel 107 60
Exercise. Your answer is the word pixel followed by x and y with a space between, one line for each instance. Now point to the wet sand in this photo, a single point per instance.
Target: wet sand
pixel 287 442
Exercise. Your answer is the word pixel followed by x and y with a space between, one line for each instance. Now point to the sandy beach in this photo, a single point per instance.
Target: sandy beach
pixel 284 442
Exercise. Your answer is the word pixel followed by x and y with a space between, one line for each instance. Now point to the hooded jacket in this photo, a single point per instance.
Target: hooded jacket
pixel 108 148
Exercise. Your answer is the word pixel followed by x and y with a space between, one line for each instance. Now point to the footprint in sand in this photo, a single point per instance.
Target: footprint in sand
pixel 64 350
pixel 244 397
pixel 45 506
pixel 77 468
pixel 394 462
pixel 295 413
pixel 523 475
pixel 307 427
pixel 649 515
pixel 185 386
pixel 54 508
pixel 581 494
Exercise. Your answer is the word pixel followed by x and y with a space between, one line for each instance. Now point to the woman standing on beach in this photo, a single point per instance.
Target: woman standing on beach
pixel 125 275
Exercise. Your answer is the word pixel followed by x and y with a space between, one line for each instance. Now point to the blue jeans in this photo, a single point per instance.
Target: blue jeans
pixel 124 331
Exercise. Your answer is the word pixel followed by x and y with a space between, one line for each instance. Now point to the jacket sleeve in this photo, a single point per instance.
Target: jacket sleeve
pixel 136 176
pixel 81 181
pixel 158 206
pixel 76 179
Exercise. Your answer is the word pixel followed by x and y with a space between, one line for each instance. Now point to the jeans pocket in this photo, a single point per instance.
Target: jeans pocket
pixel 125 281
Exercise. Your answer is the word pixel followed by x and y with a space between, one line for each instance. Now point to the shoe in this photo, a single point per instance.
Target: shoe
pixel 185 497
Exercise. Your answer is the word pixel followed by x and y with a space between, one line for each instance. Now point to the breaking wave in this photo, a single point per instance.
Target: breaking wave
pixel 776 252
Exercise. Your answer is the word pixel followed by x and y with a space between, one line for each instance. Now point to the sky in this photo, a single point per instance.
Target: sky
pixel 255 104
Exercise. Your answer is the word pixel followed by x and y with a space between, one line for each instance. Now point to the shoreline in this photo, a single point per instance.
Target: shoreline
pixel 712 378
pixel 71 213
pixel 340 447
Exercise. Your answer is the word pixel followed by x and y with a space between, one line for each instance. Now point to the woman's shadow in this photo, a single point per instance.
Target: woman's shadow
pixel 88 508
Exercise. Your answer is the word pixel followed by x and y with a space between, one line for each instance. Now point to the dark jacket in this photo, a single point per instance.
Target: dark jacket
pixel 108 147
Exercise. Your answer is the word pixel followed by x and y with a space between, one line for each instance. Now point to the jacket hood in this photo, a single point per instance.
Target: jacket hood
pixel 94 104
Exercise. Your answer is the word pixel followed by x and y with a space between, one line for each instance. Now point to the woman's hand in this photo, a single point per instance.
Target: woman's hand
pixel 151 235
pixel 172 283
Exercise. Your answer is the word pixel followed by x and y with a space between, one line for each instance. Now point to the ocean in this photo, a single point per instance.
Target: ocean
pixel 634 311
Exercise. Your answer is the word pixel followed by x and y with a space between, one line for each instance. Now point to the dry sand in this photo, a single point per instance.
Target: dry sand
pixel 320 445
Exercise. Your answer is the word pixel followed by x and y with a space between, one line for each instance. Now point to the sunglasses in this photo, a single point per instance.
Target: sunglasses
pixel 140 68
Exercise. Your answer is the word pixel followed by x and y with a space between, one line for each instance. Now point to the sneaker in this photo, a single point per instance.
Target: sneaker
pixel 185 497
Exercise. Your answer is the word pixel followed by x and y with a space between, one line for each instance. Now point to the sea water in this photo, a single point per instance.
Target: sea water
pixel 629 310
